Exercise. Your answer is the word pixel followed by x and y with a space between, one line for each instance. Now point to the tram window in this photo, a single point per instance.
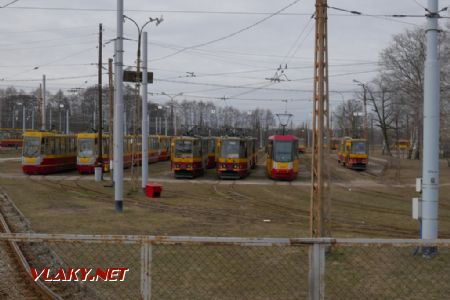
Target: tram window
pixel 32 146
pixel 183 148
pixel 230 149
pixel 63 144
pixel 51 146
pixel 85 147
pixel 57 145
pixel 283 151
pixel 359 148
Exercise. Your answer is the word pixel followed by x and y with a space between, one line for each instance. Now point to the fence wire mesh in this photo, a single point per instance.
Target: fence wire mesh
pixel 229 272
pixel 215 268
pixel 386 272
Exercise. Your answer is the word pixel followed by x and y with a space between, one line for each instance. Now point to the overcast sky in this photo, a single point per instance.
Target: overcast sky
pixel 59 38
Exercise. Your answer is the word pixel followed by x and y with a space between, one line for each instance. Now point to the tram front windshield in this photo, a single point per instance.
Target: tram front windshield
pixel 32 146
pixel 359 148
pixel 85 147
pixel 232 149
pixel 283 151
pixel 183 148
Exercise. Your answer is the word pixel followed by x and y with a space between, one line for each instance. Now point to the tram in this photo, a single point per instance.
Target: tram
pixel 87 159
pixel 353 153
pixel 282 160
pixel 189 156
pixel 48 152
pixel 236 156
pixel 10 137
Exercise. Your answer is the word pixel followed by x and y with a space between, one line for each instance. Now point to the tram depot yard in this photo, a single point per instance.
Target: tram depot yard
pixel 376 203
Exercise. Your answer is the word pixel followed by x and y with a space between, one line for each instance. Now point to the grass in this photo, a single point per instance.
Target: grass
pixel 363 205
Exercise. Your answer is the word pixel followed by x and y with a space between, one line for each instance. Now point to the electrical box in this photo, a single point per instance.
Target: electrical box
pixel 417 208
pixel 419 185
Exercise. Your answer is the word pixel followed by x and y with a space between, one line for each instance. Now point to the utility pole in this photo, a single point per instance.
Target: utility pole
pixel 111 118
pixel 136 112
pixel 320 201
pixel 67 120
pixel 118 112
pixel 32 118
pixel 43 103
pixel 366 122
pixel 23 117
pixel 100 102
pixel 144 113
pixel 431 114
pixel 172 116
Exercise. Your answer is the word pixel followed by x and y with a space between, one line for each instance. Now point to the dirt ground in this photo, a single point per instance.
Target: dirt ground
pixel 375 203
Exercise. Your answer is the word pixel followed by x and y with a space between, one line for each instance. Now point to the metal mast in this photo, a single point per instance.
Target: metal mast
pixel 118 112
pixel 431 114
pixel 320 201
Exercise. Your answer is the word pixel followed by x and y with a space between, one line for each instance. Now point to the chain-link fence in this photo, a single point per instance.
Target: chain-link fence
pixel 133 267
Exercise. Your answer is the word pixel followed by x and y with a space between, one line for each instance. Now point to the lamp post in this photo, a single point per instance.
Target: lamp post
pixel 172 97
pixel 365 88
pixel 144 143
pixel 158 118
pixel 138 61
pixel 61 106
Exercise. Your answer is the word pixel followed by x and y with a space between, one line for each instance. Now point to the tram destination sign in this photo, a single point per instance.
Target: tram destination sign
pixel 130 76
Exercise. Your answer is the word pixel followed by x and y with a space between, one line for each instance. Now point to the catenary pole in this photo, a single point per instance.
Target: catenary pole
pixel 144 112
pixel 118 113
pixel 43 103
pixel 430 169
pixel 100 102
pixel 111 118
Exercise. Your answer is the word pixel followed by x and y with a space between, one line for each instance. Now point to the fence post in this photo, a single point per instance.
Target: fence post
pixel 317 272
pixel 146 265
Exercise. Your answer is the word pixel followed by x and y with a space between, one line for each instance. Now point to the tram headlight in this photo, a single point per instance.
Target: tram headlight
pixel 189 166
pixel 177 166
pixel 235 166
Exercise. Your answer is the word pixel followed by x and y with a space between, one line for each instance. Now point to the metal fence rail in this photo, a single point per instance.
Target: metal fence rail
pixel 239 268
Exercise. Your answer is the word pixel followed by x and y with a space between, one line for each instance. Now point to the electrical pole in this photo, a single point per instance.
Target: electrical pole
pixel 118 112
pixel 32 118
pixel 144 113
pixel 43 103
pixel 111 118
pixel 23 117
pixel 172 116
pixel 431 114
pixel 100 102
pixel 320 201
pixel 67 120
pixel 366 121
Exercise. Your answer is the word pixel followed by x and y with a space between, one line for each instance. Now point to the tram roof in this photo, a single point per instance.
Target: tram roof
pixel 283 138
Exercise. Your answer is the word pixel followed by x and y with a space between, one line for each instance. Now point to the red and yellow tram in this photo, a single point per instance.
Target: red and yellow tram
pixel 189 156
pixel 282 157
pixel 48 152
pixel 10 137
pixel 236 157
pixel 158 150
pixel 353 153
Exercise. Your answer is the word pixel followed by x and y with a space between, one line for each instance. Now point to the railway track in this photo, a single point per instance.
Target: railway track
pixel 16 281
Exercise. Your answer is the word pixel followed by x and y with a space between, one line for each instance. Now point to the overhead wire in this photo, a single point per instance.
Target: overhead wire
pixel 229 35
